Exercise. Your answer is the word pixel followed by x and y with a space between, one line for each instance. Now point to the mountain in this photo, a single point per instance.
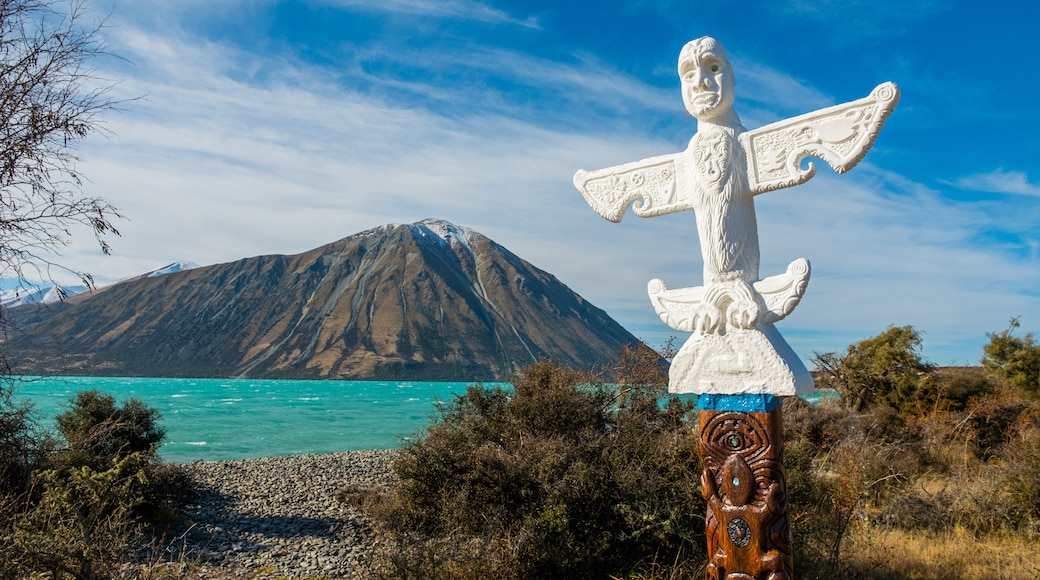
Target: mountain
pixel 422 301
pixel 45 294
pixel 162 270
pixel 51 293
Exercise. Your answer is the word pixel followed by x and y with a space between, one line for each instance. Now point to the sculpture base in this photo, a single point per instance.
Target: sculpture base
pixel 745 485
pixel 754 361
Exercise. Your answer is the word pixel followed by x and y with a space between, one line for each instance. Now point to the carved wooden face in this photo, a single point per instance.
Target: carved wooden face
pixel 707 79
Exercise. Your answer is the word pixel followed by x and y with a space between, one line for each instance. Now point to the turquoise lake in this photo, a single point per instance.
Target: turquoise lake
pixel 216 419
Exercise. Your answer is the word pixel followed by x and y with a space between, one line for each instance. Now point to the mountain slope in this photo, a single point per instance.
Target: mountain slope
pixel 50 293
pixel 425 301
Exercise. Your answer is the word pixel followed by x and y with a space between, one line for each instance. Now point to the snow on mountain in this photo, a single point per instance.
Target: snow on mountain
pixel 47 294
pixel 50 293
pixel 447 232
pixel 169 269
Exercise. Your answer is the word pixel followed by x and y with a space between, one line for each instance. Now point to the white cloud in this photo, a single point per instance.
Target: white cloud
pixel 234 154
pixel 778 92
pixel 459 9
pixel 999 181
pixel 212 169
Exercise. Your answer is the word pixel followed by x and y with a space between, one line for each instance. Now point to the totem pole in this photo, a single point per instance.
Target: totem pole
pixel 736 361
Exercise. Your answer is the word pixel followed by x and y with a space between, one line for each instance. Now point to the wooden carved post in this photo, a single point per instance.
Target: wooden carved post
pixel 735 358
pixel 745 485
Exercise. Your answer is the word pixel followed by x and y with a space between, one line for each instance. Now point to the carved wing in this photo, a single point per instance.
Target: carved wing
pixel 840 135
pixel 678 308
pixel 655 185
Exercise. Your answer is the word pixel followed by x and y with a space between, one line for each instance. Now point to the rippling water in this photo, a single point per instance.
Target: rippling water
pixel 215 419
pixel 212 419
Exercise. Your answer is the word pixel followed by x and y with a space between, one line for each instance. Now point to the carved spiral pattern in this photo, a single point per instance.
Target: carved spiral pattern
pixel 748 534
pixel 885 92
pixel 734 433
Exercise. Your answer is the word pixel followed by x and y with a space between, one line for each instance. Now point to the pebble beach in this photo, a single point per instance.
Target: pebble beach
pixel 277 517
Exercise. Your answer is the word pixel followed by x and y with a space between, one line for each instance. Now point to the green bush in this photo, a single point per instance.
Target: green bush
pixel 883 370
pixel 1015 358
pixel 86 501
pixel 561 477
pixel 83 523
pixel 98 433
pixel 24 447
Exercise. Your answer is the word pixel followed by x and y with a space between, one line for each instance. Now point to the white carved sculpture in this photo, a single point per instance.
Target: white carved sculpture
pixel 734 347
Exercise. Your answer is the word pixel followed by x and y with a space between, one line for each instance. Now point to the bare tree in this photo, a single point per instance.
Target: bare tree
pixel 49 100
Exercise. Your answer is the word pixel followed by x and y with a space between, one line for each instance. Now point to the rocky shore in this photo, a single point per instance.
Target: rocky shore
pixel 277 517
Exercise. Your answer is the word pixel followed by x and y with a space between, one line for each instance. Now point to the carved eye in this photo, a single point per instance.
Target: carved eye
pixel 715 68
pixel 734 440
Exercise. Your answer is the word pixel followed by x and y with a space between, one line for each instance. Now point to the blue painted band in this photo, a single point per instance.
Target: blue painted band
pixel 744 402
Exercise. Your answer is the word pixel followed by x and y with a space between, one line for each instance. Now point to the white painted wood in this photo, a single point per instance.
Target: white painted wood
pixel 734 348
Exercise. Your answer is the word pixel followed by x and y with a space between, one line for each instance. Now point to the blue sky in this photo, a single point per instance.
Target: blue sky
pixel 275 127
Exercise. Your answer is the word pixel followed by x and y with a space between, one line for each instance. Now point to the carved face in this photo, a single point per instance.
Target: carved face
pixel 706 78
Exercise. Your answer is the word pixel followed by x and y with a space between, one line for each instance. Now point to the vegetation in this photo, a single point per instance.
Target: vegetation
pixel 72 508
pixel 910 470
pixel 884 370
pixel 1015 358
pixel 67 508
pixel 914 468
pixel 564 476
pixel 568 475
pixel 49 101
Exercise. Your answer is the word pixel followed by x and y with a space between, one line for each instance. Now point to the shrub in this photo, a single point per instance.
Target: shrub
pixel 83 523
pixel 958 386
pixel 91 498
pixel 1021 478
pixel 991 420
pixel 1015 358
pixel 842 467
pixel 98 433
pixel 101 435
pixel 884 370
pixel 562 477
pixel 24 447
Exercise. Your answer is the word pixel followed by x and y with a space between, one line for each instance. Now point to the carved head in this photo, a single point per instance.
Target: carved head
pixel 707 80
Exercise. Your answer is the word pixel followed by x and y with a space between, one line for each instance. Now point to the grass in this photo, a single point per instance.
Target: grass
pixel 953 554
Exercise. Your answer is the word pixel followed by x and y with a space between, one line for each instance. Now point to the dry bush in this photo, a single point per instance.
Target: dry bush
pixel 991 420
pixel 842 467
pixel 957 386
pixel 561 477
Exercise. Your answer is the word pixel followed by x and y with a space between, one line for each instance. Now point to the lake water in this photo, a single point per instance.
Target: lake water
pixel 214 419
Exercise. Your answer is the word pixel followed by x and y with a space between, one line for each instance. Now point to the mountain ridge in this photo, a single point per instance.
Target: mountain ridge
pixel 424 301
